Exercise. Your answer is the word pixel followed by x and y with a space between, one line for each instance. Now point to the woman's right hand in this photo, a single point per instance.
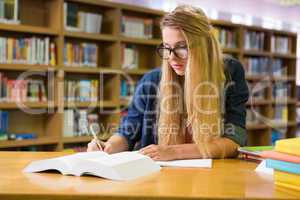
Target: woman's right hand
pixel 93 146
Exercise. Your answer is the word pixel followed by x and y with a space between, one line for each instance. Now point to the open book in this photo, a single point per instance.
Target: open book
pixel 119 166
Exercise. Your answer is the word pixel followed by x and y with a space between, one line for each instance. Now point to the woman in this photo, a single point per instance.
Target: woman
pixel 198 110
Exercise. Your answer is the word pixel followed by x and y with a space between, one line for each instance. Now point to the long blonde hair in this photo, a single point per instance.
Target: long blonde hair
pixel 204 77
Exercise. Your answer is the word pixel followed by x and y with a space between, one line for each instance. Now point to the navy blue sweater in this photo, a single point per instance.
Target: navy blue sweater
pixel 139 126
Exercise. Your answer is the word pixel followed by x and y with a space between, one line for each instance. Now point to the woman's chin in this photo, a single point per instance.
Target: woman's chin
pixel 179 72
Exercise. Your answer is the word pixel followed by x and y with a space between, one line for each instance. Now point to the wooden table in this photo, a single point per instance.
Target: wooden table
pixel 228 179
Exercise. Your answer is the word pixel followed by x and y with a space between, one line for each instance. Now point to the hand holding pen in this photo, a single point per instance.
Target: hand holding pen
pixel 95 144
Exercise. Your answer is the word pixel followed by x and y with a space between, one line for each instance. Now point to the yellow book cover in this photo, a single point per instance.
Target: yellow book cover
pixel 287 178
pixel 291 146
pixel 288 186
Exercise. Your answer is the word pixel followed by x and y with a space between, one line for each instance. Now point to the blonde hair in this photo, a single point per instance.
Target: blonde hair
pixel 204 78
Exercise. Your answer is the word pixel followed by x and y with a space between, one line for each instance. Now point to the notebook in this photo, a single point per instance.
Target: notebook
pixel 283 166
pixel 291 146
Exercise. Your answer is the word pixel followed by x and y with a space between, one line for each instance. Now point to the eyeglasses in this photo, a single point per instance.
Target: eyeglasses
pixel 179 51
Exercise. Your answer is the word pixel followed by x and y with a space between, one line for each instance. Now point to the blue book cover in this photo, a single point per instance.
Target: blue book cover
pixel 283 166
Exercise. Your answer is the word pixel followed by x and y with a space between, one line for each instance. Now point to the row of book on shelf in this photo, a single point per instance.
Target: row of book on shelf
pixel 30 90
pixel 80 21
pixel 75 19
pixel 77 122
pixel 5 134
pixel 265 66
pixel 27 51
pixel 258 114
pixel 280 90
pixel 80 54
pixel 226 37
pixel 81 90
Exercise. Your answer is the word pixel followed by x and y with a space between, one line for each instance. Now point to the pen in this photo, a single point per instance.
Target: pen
pixel 99 143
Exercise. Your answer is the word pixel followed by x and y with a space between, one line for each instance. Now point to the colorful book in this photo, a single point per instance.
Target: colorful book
pixel 290 146
pixel 288 186
pixel 253 153
pixel 283 166
pixel 287 178
pixel 280 156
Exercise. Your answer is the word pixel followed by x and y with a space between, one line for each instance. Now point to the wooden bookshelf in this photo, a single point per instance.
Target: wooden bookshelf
pixel 49 127
pixel 28 29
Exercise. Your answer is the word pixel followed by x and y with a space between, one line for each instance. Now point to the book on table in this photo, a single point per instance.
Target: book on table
pixel 119 166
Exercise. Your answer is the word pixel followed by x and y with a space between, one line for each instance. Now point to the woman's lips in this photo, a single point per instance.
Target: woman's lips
pixel 177 66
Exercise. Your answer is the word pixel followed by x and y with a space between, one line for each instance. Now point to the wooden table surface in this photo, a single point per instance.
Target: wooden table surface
pixel 228 179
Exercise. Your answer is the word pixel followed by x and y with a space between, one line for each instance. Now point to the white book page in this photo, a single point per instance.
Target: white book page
pixel 199 163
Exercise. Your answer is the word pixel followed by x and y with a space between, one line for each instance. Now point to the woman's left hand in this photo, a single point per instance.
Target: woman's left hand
pixel 159 152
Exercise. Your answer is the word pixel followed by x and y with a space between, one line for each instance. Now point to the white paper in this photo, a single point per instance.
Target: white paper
pixel 264 169
pixel 199 163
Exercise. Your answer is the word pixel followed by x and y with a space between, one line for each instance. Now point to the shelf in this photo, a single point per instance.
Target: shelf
pixel 287 56
pixel 77 139
pixel 80 70
pixel 256 53
pixel 258 77
pixel 74 104
pixel 28 29
pixel 283 78
pixel 81 139
pixel 108 104
pixel 256 126
pixel 280 124
pixel 26 67
pixel 154 42
pixel 136 71
pixel 91 36
pixel 99 104
pixel 26 143
pixel 258 102
pixel 284 101
pixel 231 50
pixel 224 23
pixel 92 70
pixel 13 105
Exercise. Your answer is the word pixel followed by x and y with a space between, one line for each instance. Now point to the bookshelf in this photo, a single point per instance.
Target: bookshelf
pixel 109 45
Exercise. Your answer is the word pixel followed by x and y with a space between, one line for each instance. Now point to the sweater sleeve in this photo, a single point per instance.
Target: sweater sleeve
pixel 236 96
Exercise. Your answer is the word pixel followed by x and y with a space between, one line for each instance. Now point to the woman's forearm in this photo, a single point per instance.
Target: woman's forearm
pixel 217 148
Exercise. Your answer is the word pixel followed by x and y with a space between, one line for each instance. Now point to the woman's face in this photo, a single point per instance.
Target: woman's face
pixel 173 39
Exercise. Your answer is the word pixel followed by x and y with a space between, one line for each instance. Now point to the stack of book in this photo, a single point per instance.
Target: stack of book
pixel 27 51
pixel 253 153
pixel 76 20
pixel 285 160
pixel 9 11
pixel 137 27
pixel 80 54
